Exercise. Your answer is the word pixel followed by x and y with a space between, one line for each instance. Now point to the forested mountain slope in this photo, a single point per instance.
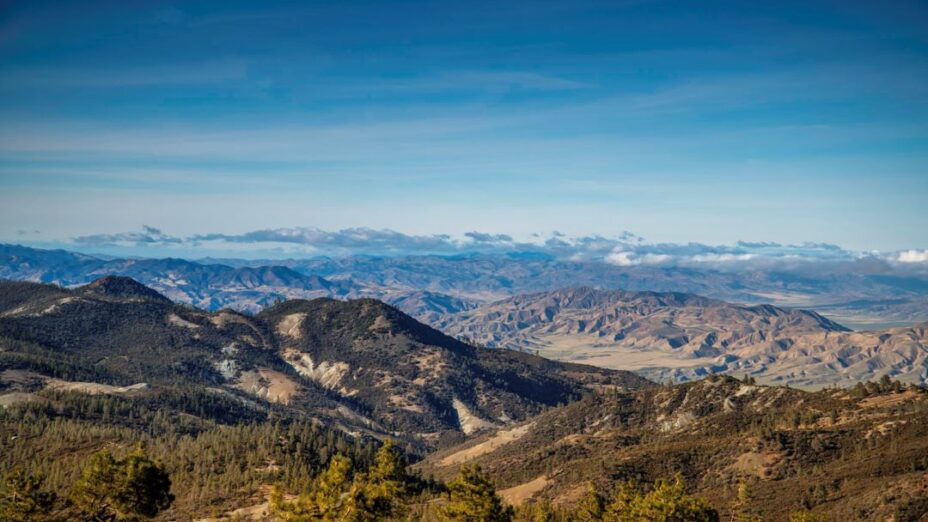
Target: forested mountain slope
pixel 858 454
pixel 359 364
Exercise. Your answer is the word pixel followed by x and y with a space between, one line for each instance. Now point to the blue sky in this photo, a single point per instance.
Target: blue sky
pixel 682 122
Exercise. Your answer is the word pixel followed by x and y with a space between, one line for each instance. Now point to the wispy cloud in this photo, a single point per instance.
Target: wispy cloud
pixel 346 241
pixel 148 236
pixel 482 80
pixel 149 76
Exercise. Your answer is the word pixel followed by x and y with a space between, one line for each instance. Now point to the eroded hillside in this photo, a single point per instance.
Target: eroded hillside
pixel 683 336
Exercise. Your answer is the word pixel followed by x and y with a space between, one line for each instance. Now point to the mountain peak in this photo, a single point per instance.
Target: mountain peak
pixel 121 288
pixel 330 317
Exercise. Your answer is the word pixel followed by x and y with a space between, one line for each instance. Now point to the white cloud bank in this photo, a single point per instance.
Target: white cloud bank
pixel 913 256
pixel 625 250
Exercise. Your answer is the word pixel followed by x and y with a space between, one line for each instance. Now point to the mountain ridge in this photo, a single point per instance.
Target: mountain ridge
pixel 359 363
pixel 857 296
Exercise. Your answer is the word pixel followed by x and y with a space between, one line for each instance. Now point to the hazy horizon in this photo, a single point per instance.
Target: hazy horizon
pixel 624 250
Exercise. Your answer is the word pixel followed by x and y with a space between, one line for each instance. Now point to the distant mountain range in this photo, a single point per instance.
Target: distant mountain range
pixel 360 364
pixel 688 323
pixel 655 325
pixel 209 286
pixel 858 296
pixel 682 336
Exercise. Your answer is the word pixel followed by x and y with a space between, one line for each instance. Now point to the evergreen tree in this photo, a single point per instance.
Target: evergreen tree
pixel 330 497
pixel 591 507
pixel 92 495
pixel 473 498
pixel 331 488
pixel 540 511
pixel 145 486
pixel 23 500
pixel 340 494
pixel 386 482
pixel 741 503
pixel 110 489
pixel 623 502
pixel 666 502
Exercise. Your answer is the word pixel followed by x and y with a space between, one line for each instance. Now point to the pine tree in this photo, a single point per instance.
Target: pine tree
pixel 540 511
pixel 23 500
pixel 386 482
pixel 329 497
pixel 623 502
pixel 146 486
pixel 331 487
pixel 92 494
pixel 591 507
pixel 666 502
pixel 473 498
pixel 110 489
pixel 739 506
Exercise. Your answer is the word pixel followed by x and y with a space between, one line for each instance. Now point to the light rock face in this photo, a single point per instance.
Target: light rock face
pixel 176 320
pixel 289 326
pixel 47 309
pixel 682 336
pixel 327 374
pixel 269 385
pixel 35 380
pixel 469 422
pixel 227 368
